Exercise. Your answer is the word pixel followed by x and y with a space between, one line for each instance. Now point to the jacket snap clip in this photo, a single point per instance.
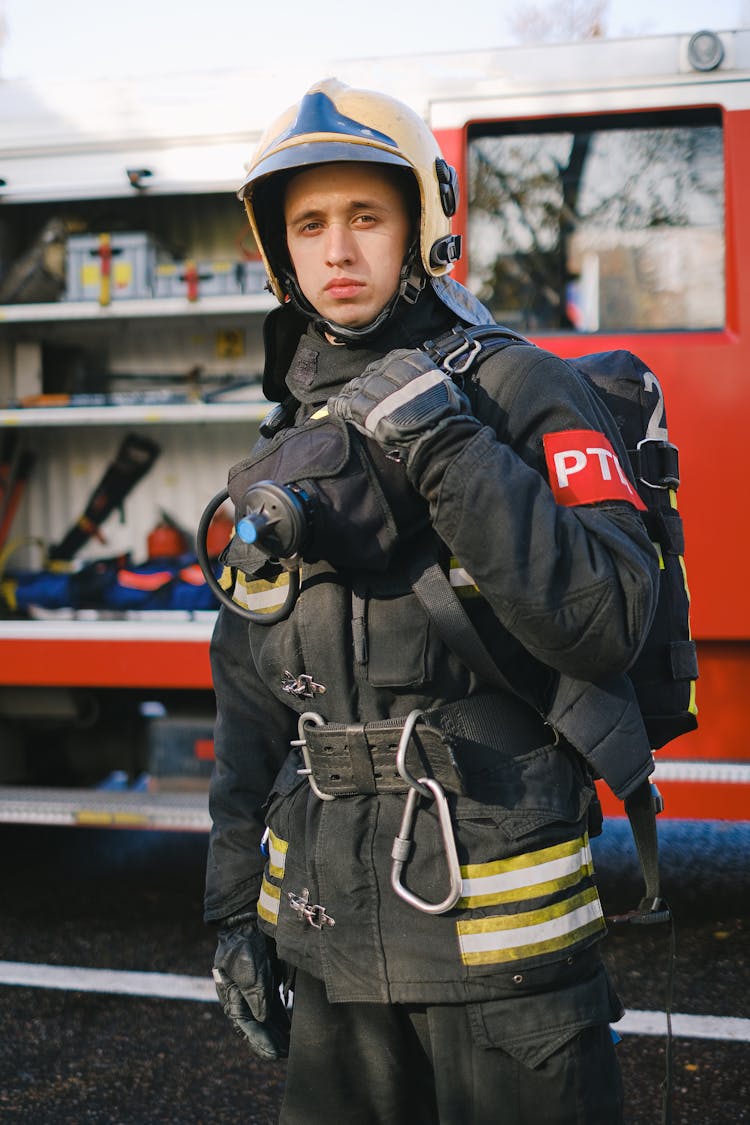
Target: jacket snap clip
pixel 302 686
pixel 314 914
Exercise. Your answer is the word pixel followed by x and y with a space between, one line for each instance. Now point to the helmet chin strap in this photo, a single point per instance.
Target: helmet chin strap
pixel 411 284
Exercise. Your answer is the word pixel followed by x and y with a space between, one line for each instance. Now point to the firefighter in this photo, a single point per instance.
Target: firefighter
pixel 401 840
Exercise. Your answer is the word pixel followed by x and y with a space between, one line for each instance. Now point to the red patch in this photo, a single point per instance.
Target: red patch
pixel 584 469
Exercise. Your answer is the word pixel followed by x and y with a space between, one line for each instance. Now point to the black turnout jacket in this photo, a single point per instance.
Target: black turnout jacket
pixel 561 593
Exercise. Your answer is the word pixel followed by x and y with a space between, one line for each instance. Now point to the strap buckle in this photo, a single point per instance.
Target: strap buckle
pixel 301 743
pixel 659 457
pixel 455 354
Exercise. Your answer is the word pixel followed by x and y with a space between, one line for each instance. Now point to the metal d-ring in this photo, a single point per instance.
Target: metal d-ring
pixel 301 743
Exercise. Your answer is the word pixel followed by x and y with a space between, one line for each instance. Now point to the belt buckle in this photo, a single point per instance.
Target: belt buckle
pixel 301 744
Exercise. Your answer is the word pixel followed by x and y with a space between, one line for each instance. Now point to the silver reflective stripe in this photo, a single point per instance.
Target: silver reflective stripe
pixel 269 901
pixel 528 876
pixel 260 596
pixel 415 387
pixel 459 577
pixel 277 849
pixel 532 933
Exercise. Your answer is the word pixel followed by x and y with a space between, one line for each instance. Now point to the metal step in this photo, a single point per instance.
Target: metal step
pixel 91 808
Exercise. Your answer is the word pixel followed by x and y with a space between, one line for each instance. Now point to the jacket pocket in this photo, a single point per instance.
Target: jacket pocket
pixel 397 657
pixel 531 1028
pixel 528 894
pixel 523 794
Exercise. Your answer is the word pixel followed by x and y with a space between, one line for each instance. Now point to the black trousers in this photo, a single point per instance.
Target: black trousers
pixel 378 1064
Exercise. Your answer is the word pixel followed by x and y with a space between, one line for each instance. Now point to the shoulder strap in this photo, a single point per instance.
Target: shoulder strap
pixel 457 351
pixel 440 602
pixel 453 625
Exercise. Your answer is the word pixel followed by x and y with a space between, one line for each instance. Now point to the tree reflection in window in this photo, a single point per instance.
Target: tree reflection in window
pixel 600 224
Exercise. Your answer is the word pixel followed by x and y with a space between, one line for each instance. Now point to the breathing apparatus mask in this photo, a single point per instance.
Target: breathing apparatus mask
pixel 320 492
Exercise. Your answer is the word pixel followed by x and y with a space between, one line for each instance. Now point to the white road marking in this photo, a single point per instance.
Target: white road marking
pixel 173 986
pixel 166 986
pixel 685 1026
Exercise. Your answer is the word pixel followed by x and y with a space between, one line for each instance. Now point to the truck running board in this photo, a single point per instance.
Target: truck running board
pixel 90 808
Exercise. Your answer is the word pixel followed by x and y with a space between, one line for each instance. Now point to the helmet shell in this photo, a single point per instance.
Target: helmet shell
pixel 334 122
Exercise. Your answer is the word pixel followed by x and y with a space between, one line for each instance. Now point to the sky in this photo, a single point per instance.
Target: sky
pixel 82 39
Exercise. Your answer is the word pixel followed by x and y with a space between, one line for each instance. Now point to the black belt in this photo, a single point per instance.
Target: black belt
pixel 346 759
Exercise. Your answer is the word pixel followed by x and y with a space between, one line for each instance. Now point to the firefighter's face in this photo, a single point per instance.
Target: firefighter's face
pixel 347 230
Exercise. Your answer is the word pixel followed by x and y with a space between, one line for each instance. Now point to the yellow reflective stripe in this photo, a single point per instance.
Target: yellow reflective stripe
pixel 527 876
pixel 693 701
pixel 277 849
pixel 461 580
pixel 526 859
pixel 226 578
pixel 659 554
pixel 684 576
pixel 516 937
pixel 260 596
pixel 269 902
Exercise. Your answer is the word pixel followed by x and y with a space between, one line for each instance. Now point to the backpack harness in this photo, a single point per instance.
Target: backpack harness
pixel 656 699
pixel 664 674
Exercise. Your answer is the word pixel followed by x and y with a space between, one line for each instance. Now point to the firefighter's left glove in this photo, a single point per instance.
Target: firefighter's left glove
pixel 399 399
pixel 247 981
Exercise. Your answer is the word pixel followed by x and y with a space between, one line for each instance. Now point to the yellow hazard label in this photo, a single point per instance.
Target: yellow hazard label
pixel 98 818
pixel 230 343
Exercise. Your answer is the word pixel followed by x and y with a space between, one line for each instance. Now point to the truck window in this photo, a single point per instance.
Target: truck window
pixel 602 224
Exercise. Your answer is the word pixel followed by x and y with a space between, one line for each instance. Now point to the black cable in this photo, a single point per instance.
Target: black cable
pixel 205 564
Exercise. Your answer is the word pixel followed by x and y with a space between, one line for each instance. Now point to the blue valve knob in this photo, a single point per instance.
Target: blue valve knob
pixel 247 529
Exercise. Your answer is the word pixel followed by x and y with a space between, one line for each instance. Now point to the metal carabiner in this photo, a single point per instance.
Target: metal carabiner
pixel 460 359
pixel 402 844
pixel 402 849
pixel 403 745
pixel 301 743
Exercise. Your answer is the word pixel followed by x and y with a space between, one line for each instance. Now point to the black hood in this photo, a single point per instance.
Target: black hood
pixel 285 331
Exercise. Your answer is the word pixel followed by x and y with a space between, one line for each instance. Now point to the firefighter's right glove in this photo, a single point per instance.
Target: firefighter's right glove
pixel 398 399
pixel 247 983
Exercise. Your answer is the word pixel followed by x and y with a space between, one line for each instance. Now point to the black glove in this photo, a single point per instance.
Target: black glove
pixel 399 398
pixel 247 983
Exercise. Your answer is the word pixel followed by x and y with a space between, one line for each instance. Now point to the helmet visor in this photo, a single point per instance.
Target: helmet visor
pixel 304 155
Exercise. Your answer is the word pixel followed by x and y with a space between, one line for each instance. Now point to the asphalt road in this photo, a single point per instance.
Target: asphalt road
pixel 132 901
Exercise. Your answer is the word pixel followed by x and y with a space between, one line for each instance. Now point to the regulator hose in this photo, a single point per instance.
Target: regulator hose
pixel 205 564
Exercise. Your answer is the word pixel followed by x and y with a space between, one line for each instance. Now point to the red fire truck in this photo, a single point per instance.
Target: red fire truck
pixel 602 206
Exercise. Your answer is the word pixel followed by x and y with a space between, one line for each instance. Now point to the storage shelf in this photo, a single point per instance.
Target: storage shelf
pixel 151 626
pixel 153 414
pixel 126 309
